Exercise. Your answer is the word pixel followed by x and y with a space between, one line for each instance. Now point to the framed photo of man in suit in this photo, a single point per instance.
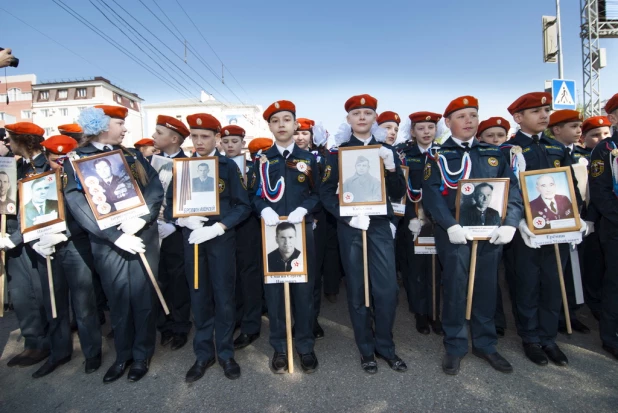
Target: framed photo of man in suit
pixel 481 205
pixel 549 201
pixel 425 242
pixel 110 188
pixel 196 186
pixel 362 189
pixel 284 251
pixel 41 205
pixel 8 186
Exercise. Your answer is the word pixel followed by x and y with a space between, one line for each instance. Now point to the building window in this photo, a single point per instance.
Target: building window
pixel 26 114
pixel 2 116
pixel 118 99
pixel 63 94
pixel 80 108
pixel 132 104
pixel 43 95
pixel 64 111
pixel 80 93
pixel 45 113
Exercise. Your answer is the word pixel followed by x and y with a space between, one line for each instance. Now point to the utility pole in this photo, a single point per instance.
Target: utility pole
pixel 560 60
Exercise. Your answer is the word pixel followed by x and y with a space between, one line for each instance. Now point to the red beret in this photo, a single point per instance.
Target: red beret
pixel 60 144
pixel 495 122
pixel 305 124
pixel 118 112
pixel 565 115
pixel 144 142
pixel 595 122
pixel 361 101
pixel 530 101
pixel 260 143
pixel 612 104
pixel 232 130
pixel 204 121
pixel 418 117
pixel 70 128
pixel 388 116
pixel 279 106
pixel 25 128
pixel 173 124
pixel 462 102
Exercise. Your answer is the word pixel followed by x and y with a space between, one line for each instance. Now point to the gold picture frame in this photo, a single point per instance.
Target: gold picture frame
pixel 45 218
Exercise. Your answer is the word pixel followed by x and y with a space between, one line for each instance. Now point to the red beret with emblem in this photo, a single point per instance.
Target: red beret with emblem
pixel 595 122
pixel 418 117
pixel 260 143
pixel 305 124
pixel 232 130
pixel 204 121
pixel 530 101
pixel 563 116
pixel 495 122
pixel 612 104
pixel 70 128
pixel 279 106
pixel 388 116
pixel 462 102
pixel 361 101
pixel 118 112
pixel 59 144
pixel 173 124
pixel 144 142
pixel 25 128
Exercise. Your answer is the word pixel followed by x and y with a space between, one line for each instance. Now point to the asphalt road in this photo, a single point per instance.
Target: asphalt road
pixel 589 383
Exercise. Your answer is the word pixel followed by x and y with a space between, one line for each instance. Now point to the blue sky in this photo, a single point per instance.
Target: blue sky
pixel 411 55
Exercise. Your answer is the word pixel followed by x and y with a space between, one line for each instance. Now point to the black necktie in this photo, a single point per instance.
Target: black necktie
pixel 552 206
pixel 107 149
pixel 466 146
pixel 535 138
pixel 483 218
pixel 569 151
pixel 286 153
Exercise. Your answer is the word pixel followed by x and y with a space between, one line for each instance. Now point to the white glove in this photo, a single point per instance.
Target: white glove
pixel 526 234
pixel 132 226
pixel 49 240
pixel 315 225
pixel 297 216
pixel 270 217
pixel 44 250
pixel 130 243
pixel 458 235
pixel 590 225
pixel 6 243
pixel 192 223
pixel 204 234
pixel 502 235
pixel 393 230
pixel 585 230
pixel 388 157
pixel 360 222
pixel 415 227
pixel 165 229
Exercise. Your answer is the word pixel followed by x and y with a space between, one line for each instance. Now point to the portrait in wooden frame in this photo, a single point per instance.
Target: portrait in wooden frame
pixel 284 252
pixel 196 186
pixel 426 240
pixel 8 185
pixel 481 205
pixel 41 209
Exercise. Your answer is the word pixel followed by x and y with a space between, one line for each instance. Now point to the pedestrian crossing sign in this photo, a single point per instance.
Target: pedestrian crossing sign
pixel 563 94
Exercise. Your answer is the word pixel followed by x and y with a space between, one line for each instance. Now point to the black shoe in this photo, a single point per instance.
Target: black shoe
pixel 611 350
pixel 395 363
pixel 597 315
pixel 422 324
pixel 436 326
pixel 243 340
pixel 231 369
pixel 495 360
pixel 31 357
pixel 116 371
pixel 279 363
pixel 535 353
pixel 73 326
pixel 198 369
pixel 178 341
pixel 450 364
pixel 50 366
pixel 556 355
pixel 308 362
pixel 166 337
pixel 369 364
pixel 318 331
pixel 332 298
pixel 580 327
pixel 138 369
pixel 500 331
pixel 15 360
pixel 93 364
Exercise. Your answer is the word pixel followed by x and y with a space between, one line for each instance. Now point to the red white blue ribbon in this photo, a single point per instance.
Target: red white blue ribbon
pixel 446 173
pixel 266 191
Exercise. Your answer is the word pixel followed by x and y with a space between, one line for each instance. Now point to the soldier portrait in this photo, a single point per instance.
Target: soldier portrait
pixel 481 205
pixel 196 186
pixel 361 176
pixel 8 186
pixel 40 203
pixel 284 249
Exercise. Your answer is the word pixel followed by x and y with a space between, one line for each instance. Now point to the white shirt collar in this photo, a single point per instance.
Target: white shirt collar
pixel 423 150
pixel 214 151
pixel 364 141
pixel 289 148
pixel 571 147
pixel 459 141
pixel 172 155
pixel 549 201
pixel 101 146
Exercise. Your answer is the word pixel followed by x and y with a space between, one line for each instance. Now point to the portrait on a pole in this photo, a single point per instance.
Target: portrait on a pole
pixel 41 209
pixel 8 186
pixel 362 188
pixel 196 186
pixel 481 205
pixel 284 252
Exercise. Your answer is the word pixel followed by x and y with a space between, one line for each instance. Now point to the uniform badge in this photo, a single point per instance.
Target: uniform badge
pixel 64 180
pixel 301 178
pixel 221 185
pixel 557 163
pixel 516 150
pixel 326 173
pixel 597 168
pixel 104 208
pixel 199 121
pixel 263 159
pixel 615 153
pixel 242 181
pixel 539 222
pixel 301 166
pixel 492 161
pixel 10 207
pixel 427 172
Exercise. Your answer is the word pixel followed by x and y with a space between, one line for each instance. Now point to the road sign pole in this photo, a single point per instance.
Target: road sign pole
pixel 559 30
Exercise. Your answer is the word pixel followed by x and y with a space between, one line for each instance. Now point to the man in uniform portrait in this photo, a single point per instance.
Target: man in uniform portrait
pixel 116 188
pixel 363 186
pixel 203 183
pixel 39 208
pixel 5 187
pixel 479 213
pixel 548 204
pixel 282 259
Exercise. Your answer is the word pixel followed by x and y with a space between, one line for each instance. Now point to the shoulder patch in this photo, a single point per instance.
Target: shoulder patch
pixel 557 163
pixel 597 168
pixel 221 185
pixel 427 171
pixel 492 161
pixel 326 173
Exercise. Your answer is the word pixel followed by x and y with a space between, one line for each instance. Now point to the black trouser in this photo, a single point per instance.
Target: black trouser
pixel 383 286
pixel 593 260
pixel 328 263
pixel 130 294
pixel 609 315
pixel 212 303
pixel 174 287
pixel 249 276
pixel 456 267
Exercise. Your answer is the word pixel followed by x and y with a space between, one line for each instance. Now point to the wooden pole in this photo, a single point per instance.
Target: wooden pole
pixel 288 327
pixel 433 286
pixel 2 270
pixel 471 276
pixel 154 282
pixel 52 294
pixel 565 303
pixel 365 268
pixel 196 256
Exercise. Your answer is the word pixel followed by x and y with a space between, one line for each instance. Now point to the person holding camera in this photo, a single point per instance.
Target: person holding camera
pixel 7 59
